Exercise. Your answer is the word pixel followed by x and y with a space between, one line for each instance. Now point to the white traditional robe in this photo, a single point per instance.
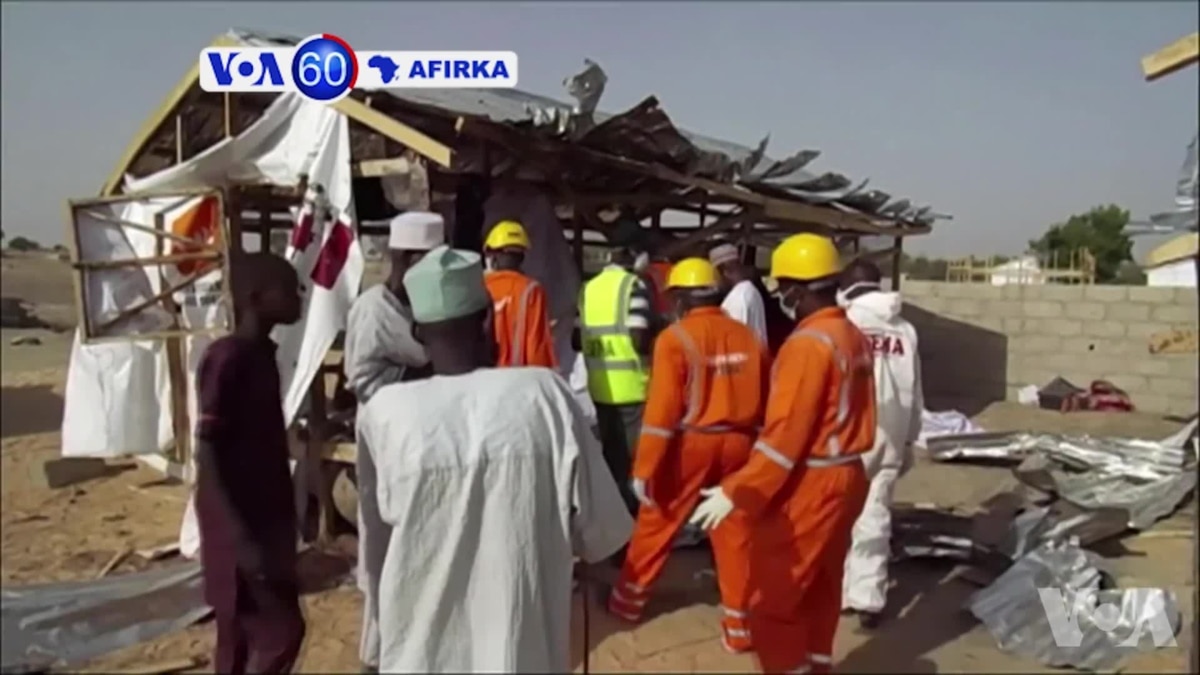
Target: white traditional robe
pixel 379 349
pixel 491 482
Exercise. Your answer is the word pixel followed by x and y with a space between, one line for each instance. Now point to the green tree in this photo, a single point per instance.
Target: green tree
pixel 23 244
pixel 1101 231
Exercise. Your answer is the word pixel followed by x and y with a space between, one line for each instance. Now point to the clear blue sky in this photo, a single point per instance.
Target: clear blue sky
pixel 1008 115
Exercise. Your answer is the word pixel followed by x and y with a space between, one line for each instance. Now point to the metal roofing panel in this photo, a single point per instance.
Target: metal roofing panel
pixel 750 166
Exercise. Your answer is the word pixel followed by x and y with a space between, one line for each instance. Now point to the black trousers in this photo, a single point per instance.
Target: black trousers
pixel 620 426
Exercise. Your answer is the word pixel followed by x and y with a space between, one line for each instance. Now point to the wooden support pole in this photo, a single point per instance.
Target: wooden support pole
pixel 227 109
pixel 179 138
pixel 577 238
pixel 897 257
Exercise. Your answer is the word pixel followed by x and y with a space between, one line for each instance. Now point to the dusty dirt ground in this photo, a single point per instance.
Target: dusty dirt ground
pixel 70 533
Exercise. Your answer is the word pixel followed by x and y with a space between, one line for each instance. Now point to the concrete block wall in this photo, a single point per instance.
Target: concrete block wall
pixel 980 343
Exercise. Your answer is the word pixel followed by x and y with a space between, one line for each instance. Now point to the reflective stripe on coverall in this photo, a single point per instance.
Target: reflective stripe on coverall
pixel 521 320
pixel 707 389
pixel 803 488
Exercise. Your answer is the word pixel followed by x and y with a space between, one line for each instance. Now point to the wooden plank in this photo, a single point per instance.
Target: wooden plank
pixel 146 262
pixel 1175 56
pixel 396 130
pixel 372 168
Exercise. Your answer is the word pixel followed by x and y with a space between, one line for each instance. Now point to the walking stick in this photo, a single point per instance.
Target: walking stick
pixel 587 624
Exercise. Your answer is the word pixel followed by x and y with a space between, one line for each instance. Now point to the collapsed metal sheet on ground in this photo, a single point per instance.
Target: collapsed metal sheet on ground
pixel 1052 605
pixel 57 625
pixel 930 533
pixel 1146 501
pixel 1148 479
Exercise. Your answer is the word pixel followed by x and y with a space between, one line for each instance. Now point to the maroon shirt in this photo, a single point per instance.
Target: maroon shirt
pixel 241 417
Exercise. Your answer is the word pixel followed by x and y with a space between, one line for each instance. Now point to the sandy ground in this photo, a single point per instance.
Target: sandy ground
pixel 70 533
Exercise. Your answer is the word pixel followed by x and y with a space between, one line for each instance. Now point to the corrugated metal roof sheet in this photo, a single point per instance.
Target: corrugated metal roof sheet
pixel 753 169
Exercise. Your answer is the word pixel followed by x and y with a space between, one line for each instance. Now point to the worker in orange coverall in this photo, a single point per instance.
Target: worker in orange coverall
pixel 520 319
pixel 705 401
pixel 804 485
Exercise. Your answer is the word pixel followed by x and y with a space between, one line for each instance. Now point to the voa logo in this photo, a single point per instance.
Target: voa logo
pixel 244 69
pixel 1069 617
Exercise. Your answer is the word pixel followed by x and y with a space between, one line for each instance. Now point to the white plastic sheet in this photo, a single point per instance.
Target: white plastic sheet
pixel 108 384
pixel 118 394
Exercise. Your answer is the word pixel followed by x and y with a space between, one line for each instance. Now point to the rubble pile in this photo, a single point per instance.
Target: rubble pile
pixel 1048 597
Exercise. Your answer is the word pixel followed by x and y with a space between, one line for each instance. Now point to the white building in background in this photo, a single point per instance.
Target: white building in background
pixel 1023 270
pixel 1173 263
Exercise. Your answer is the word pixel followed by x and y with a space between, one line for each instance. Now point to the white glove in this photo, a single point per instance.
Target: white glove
pixel 715 507
pixel 639 490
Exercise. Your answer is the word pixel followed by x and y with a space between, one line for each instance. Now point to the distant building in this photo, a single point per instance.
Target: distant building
pixel 1173 263
pixel 1023 270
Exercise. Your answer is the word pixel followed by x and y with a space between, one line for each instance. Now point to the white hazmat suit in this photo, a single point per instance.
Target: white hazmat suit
pixel 899 402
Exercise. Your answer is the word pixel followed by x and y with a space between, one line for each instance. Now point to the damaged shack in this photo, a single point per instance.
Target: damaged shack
pixel 209 174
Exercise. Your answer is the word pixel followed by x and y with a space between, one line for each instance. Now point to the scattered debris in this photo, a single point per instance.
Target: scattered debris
pixel 15 313
pixel 1146 478
pixel 59 625
pixel 112 563
pixel 1092 490
pixel 171 666
pixel 66 471
pixel 25 340
pixel 159 552
pixel 1052 605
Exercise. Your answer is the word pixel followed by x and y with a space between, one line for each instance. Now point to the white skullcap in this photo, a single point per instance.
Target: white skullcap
pixel 416 231
pixel 446 284
pixel 722 254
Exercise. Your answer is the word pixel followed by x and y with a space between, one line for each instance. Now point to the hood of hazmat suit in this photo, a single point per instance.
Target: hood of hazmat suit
pixel 897 376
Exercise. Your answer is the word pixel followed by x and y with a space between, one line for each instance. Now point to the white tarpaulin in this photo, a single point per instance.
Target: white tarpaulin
pixel 117 394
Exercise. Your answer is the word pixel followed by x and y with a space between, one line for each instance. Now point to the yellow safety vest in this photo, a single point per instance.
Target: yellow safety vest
pixel 616 374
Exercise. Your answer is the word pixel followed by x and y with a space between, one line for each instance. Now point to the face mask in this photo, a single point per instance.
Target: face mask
pixel 788 309
pixel 843 299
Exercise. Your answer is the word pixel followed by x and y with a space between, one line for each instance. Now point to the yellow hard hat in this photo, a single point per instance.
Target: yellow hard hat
pixel 805 257
pixel 507 234
pixel 692 273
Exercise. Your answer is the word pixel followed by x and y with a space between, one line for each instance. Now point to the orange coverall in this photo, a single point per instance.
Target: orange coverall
pixel 803 488
pixel 706 395
pixel 521 320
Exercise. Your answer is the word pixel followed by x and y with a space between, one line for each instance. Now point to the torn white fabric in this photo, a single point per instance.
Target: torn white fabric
pixel 108 383
pixel 945 423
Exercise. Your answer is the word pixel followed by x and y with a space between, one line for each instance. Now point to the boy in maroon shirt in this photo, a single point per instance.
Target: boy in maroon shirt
pixel 244 489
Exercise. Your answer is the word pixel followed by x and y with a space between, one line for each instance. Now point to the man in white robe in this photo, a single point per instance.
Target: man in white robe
pixel 380 350
pixel 492 484
pixel 743 302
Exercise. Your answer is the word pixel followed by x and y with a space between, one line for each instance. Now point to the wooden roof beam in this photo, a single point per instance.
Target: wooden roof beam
pixel 1175 56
